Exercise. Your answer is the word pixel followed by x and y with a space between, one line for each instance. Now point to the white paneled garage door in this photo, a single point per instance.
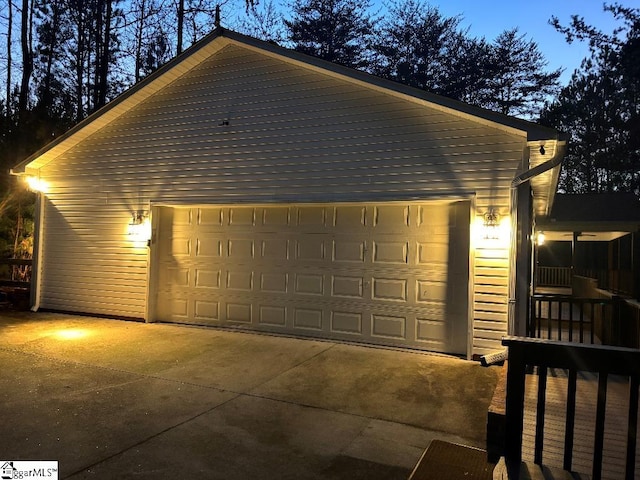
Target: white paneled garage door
pixel 394 274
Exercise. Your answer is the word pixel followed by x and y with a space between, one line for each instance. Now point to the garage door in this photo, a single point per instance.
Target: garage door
pixel 391 274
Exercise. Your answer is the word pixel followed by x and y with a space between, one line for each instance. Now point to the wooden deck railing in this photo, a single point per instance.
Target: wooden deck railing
pixel 608 321
pixel 553 276
pixel 525 353
pixel 12 281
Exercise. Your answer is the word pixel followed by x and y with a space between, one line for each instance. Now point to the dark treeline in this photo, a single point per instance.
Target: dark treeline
pixel 63 59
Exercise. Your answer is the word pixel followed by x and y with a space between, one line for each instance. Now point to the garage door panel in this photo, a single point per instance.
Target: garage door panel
pixel 272 315
pixel 239 249
pixel 391 252
pixel 390 289
pixel 388 327
pixel 431 330
pixel 206 311
pixel 311 217
pixel 310 248
pixel 239 312
pixel 274 282
pixel 242 217
pixel 276 216
pixel 208 247
pixel 239 280
pixel 308 319
pixel 346 323
pixel 394 274
pixel 347 286
pixel 391 217
pixel 205 278
pixel 182 217
pixel 309 284
pixel 274 249
pixel 349 250
pixel 432 291
pixel 433 253
pixel 175 277
pixel 348 217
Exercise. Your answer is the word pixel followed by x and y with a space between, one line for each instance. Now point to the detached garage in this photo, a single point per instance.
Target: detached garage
pixel 245 185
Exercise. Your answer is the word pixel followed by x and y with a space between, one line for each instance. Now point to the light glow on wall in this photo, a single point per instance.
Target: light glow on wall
pixel 492 232
pixel 36 184
pixel 139 228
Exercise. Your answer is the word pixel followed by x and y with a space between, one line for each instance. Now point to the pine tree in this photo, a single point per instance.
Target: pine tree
pixel 335 30
pixel 519 84
pixel 599 109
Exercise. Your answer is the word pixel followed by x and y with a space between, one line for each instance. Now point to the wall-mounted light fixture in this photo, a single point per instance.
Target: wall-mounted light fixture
pixel 36 184
pixel 491 225
pixel 139 228
pixel 540 238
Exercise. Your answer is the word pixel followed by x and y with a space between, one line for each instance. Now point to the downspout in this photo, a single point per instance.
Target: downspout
pixel 36 256
pixel 516 239
pixel 540 169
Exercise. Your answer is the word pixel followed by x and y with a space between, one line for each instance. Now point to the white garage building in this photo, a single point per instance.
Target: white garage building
pixel 287 194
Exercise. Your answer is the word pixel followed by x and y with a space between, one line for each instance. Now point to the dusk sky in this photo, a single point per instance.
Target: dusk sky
pixel 488 18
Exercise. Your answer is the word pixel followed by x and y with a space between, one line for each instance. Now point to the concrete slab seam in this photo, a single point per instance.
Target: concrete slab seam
pixel 151 437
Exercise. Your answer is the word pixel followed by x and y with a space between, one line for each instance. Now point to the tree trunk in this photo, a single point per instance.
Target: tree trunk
pixel 98 40
pixel 9 59
pixel 105 55
pixel 47 97
pixel 27 70
pixel 79 54
pixel 139 32
pixel 27 62
pixel 180 25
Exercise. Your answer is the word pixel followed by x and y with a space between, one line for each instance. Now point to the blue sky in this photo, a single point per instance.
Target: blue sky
pixel 488 18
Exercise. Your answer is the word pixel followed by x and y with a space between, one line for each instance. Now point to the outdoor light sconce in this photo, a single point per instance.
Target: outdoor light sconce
pixel 540 238
pixel 139 229
pixel 35 184
pixel 491 225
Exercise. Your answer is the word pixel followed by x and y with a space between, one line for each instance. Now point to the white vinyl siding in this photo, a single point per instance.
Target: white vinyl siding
pixel 294 135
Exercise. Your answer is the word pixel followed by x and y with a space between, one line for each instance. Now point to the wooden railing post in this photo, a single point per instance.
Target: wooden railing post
pixel 604 360
pixel 516 371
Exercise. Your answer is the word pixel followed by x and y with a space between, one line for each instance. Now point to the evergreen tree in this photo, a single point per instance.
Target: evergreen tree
pixel 415 45
pixel 518 84
pixel 599 109
pixel 335 30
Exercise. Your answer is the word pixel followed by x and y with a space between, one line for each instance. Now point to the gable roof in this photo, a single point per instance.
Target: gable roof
pixel 220 38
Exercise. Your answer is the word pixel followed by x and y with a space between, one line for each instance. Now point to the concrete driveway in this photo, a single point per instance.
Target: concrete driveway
pixel 116 399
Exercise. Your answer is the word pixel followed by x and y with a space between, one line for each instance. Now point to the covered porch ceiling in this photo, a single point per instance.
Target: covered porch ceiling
pixel 590 217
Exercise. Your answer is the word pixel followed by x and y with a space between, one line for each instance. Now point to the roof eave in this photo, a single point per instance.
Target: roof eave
pixel 142 90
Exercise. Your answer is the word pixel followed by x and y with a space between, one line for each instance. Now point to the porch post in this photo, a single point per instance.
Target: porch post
pixel 635 264
pixel 574 246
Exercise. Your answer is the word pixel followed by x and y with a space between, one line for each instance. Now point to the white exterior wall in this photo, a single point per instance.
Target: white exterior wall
pixel 294 135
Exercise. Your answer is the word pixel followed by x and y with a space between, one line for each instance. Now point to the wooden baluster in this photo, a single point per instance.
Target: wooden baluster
pixel 549 317
pixel 570 321
pixel 570 420
pixel 632 428
pixel 582 321
pixel 598 444
pixel 560 303
pixel 514 410
pixel 540 410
